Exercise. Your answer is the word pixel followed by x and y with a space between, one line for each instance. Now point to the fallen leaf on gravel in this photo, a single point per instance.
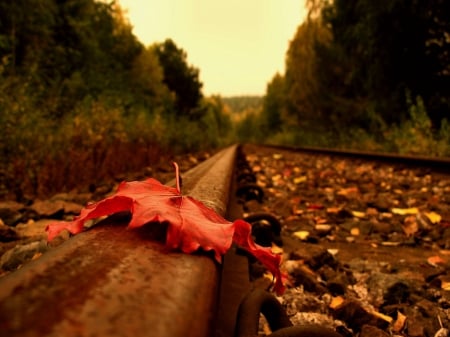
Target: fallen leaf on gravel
pixel 442 332
pixel 391 243
pixel 355 231
pixel 384 317
pixel 358 214
pixel 348 191
pixel 405 211
pixel 372 211
pixel 315 206
pixel 300 180
pixel 333 251
pixel 323 228
pixel 410 225
pixel 276 249
pixel 320 220
pixel 336 302
pixel 445 285
pixel 333 210
pixel 302 235
pixel 192 225
pixel 433 217
pixel 399 323
pixel 435 260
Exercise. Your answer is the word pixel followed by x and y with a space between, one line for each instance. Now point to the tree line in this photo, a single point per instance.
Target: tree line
pixel 81 98
pixel 365 73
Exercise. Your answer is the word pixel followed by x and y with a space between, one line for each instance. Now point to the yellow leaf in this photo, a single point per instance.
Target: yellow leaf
pixel 276 249
pixel 268 275
pixel 433 217
pixel 445 285
pixel 445 282
pixel 405 211
pixel 300 180
pixel 382 316
pixel 302 235
pixel 336 302
pixel 355 231
pixel 333 251
pixel 358 214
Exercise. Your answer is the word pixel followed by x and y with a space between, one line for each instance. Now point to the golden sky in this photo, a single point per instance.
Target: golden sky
pixel 238 45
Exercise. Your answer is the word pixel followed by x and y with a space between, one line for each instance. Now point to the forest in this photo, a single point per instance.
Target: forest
pixel 364 75
pixel 82 99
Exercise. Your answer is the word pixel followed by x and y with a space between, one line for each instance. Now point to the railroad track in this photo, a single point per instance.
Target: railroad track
pixel 110 281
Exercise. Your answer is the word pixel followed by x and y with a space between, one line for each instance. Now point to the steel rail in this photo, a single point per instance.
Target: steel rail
pixel 441 164
pixel 110 281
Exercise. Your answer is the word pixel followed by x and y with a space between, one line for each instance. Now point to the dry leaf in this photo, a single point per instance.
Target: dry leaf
pixel 405 211
pixel 315 206
pixel 399 323
pixel 445 285
pixel 276 249
pixel 355 231
pixel 191 224
pixel 435 260
pixel 300 180
pixel 348 190
pixel 433 217
pixel 387 318
pixel 390 243
pixel 302 235
pixel 333 210
pixel 358 214
pixel 333 251
pixel 410 226
pixel 336 302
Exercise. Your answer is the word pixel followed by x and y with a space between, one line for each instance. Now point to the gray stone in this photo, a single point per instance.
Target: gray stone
pixel 20 254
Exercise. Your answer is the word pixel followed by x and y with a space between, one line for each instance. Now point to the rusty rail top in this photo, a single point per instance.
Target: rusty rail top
pixel 110 281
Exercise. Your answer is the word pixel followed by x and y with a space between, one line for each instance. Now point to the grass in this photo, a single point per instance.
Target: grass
pixel 415 136
pixel 95 143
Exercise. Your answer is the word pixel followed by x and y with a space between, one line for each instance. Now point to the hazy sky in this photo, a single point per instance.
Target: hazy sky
pixel 238 45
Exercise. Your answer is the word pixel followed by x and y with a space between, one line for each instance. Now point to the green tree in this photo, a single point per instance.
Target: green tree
pixel 148 80
pixel 395 47
pixel 318 91
pixel 181 79
pixel 273 110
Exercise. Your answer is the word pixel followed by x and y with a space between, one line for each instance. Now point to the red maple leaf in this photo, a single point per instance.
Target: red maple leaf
pixel 192 225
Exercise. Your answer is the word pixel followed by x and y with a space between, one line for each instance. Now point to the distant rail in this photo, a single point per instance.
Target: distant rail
pixel 441 164
pixel 110 281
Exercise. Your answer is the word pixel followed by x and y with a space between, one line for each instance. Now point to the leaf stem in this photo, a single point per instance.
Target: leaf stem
pixel 177 177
